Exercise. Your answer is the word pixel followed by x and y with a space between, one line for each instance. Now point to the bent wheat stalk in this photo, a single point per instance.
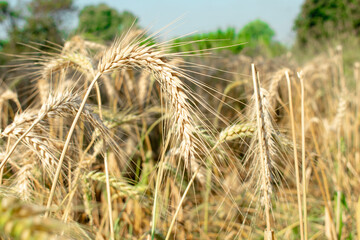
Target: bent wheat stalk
pixel 145 56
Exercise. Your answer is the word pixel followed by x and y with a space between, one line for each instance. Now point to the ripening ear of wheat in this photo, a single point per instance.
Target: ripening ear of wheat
pixel 136 55
pixel 20 220
pixel 240 130
pixel 187 170
pixel 263 146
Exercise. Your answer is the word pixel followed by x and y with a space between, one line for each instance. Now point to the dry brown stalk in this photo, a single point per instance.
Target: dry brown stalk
pixel 303 160
pixel 297 175
pixel 44 88
pixel 143 87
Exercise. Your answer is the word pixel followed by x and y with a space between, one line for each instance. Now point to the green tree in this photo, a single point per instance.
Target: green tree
pixel 259 38
pixel 321 20
pixel 102 23
pixel 255 38
pixel 257 30
pixel 37 21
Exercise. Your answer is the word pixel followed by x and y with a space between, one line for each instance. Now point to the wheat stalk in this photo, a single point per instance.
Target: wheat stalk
pixel 297 175
pixel 144 56
pixel 303 160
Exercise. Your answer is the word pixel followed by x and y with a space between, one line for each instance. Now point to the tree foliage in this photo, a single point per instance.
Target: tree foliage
pixel 257 37
pixel 102 23
pixel 321 20
pixel 37 21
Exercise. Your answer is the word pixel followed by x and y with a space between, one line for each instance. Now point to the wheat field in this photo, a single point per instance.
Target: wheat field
pixel 133 141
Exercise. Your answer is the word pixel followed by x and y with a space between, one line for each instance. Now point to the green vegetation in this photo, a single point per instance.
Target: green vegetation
pixel 323 25
pixel 324 20
pixel 36 22
pixel 102 23
pixel 41 19
pixel 255 38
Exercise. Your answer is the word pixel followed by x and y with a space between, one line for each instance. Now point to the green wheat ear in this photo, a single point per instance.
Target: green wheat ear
pixel 20 220
pixel 240 130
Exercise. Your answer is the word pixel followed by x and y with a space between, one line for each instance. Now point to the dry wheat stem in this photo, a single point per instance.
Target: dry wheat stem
pixel 181 202
pixel 303 151
pixel 112 234
pixel 297 175
pixel 340 113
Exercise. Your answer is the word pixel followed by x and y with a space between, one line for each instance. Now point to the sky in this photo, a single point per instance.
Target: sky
pixel 209 15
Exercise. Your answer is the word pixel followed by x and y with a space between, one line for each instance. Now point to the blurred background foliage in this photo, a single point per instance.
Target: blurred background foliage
pixel 255 38
pixel 320 24
pixel 322 20
pixel 38 21
pixel 103 23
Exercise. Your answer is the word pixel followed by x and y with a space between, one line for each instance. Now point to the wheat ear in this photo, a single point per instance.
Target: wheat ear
pixel 122 187
pixel 19 220
pixel 38 145
pixel 264 154
pixel 62 104
pixel 23 183
pixel 143 56
pixel 240 130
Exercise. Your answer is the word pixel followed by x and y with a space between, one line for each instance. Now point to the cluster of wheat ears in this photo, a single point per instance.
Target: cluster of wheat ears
pixel 149 145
